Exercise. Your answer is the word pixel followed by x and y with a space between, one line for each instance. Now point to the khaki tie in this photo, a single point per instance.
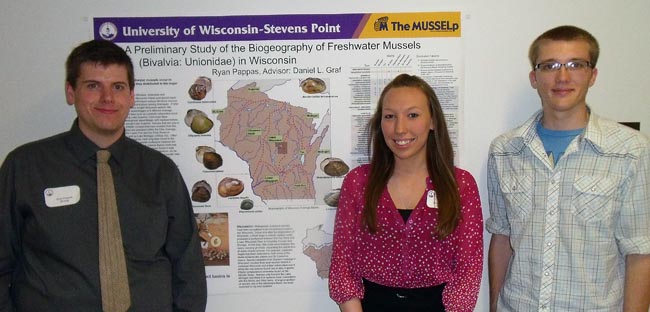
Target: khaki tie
pixel 116 296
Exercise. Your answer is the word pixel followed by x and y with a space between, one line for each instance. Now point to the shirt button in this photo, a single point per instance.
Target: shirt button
pixel 549 244
pixel 546 273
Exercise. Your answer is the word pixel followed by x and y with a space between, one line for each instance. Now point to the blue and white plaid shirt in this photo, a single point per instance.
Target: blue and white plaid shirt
pixel 570 224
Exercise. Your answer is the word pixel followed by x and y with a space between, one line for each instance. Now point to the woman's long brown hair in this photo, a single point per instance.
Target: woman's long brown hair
pixel 440 161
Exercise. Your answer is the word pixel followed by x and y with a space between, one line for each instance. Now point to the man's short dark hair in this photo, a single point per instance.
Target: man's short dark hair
pixel 97 52
pixel 565 33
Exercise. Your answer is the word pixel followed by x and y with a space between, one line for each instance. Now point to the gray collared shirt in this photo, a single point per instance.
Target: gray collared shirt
pixel 48 228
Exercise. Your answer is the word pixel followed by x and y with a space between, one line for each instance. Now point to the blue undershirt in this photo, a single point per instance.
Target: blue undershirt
pixel 556 141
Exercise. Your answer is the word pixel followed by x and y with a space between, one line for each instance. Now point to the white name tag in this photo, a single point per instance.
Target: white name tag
pixel 432 200
pixel 62 196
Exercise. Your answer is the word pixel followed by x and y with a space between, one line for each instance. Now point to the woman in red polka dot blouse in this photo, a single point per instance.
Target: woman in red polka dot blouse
pixel 408 234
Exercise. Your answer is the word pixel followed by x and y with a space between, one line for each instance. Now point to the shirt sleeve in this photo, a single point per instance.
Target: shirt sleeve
pixel 497 223
pixel 344 280
pixel 6 234
pixel 182 246
pixel 633 228
pixel 461 293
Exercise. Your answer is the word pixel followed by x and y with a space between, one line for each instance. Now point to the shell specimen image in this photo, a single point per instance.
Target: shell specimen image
pixel 230 187
pixel 200 88
pixel 313 85
pixel 246 204
pixel 198 121
pixel 201 191
pixel 332 198
pixel 207 156
pixel 334 167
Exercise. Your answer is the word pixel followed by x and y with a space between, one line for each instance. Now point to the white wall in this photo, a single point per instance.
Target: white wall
pixel 38 35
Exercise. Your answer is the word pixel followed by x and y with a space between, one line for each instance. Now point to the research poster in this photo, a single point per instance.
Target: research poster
pixel 266 114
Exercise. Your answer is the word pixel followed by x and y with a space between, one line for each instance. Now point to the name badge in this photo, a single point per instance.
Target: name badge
pixel 62 196
pixel 432 200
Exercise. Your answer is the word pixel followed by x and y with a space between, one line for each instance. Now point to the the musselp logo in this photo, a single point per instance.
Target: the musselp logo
pixel 383 24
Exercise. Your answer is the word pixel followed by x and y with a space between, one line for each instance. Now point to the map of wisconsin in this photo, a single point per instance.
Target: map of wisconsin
pixel 278 141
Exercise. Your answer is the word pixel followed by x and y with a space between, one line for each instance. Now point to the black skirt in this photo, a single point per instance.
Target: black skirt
pixel 379 298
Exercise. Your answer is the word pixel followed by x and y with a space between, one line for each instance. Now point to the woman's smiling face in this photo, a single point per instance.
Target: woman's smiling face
pixel 406 122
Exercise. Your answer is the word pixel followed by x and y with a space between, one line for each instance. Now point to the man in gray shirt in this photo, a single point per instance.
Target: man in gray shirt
pixel 48 205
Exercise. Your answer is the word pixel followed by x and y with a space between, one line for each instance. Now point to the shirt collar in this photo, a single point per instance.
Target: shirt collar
pixel 85 150
pixel 593 133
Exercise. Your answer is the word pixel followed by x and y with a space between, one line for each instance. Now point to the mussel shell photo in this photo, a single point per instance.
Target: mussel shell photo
pixel 230 187
pixel 313 85
pixel 197 92
pixel 201 150
pixel 201 124
pixel 200 88
pixel 334 167
pixel 191 113
pixel 246 204
pixel 201 191
pixel 212 160
pixel 332 198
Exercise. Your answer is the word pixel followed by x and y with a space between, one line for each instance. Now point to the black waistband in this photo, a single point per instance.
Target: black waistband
pixel 401 292
pixel 383 298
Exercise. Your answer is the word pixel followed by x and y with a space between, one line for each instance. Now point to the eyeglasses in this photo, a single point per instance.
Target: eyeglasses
pixel 572 66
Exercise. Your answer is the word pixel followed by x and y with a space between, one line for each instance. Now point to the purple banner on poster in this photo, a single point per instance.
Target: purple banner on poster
pixel 228 28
